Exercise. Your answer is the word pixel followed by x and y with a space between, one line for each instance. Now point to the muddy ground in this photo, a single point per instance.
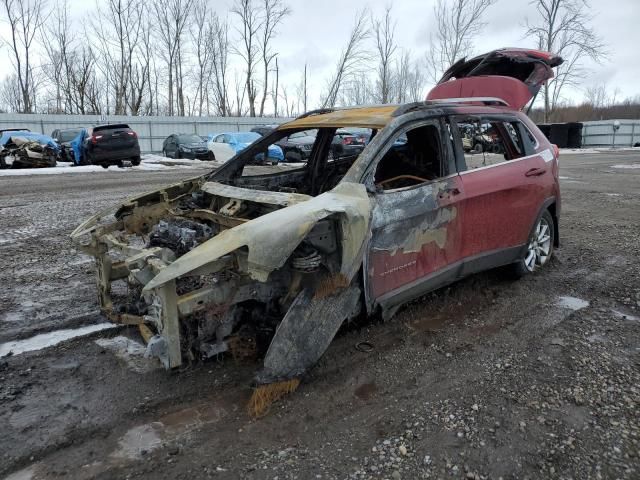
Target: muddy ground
pixel 488 378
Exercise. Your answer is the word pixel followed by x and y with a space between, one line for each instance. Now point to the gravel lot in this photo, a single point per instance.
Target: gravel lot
pixel 489 378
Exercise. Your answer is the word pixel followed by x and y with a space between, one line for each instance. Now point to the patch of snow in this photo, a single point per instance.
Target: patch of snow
pixel 572 303
pixel 632 165
pixel 625 316
pixel 130 351
pixel 49 339
pixel 577 151
pixel 149 162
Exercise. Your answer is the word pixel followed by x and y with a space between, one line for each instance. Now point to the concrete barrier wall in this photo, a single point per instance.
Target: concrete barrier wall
pixel 151 130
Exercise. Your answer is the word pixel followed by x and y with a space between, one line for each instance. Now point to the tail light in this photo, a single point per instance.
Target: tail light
pixel 133 134
pixel 95 138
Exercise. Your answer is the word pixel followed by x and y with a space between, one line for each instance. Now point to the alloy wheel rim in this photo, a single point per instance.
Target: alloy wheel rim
pixel 539 249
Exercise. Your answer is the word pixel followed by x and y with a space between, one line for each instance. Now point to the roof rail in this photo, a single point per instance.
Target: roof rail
pixel 318 111
pixel 485 100
pixel 409 107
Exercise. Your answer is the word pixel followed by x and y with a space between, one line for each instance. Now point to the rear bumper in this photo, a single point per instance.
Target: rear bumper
pixel 196 155
pixel 105 156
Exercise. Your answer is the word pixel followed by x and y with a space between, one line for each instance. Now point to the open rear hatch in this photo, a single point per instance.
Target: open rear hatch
pixel 514 75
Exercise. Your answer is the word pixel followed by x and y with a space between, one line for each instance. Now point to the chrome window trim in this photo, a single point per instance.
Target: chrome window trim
pixel 503 163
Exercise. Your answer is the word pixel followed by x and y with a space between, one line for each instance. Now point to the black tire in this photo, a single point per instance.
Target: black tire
pixel 478 148
pixel 177 155
pixel 135 161
pixel 524 266
pixel 164 153
pixel 3 163
pixel 104 165
pixel 211 156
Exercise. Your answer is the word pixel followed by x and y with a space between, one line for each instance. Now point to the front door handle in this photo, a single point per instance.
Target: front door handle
pixel 535 172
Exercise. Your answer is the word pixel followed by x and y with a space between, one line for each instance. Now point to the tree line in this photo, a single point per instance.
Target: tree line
pixel 181 57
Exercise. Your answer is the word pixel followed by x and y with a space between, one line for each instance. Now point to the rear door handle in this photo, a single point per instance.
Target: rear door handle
pixel 535 172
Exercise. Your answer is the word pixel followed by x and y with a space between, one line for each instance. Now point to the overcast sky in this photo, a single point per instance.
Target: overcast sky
pixel 316 31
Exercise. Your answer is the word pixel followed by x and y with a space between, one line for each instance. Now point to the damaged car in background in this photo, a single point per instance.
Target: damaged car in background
pixel 26 149
pixel 267 265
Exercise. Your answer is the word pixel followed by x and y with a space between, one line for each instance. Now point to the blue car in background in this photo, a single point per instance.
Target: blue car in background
pixel 226 145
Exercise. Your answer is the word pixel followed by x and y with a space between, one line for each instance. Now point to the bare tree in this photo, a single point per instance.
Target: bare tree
pixel 458 22
pixel 274 12
pixel 58 46
pixel 302 92
pixel 275 90
pixel 25 18
pixel 358 90
pixel 118 27
pixel 251 22
pixel 350 61
pixel 171 18
pixel 201 38
pixel 563 27
pixel 384 33
pixel 220 44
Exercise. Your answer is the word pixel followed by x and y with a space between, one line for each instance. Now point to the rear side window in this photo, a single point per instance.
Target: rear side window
pixel 487 142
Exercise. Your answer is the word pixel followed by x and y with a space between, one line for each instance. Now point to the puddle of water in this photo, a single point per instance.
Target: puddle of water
pixel 12 317
pixel 572 303
pixel 148 437
pixel 143 438
pixel 49 339
pixel 625 316
pixel 24 474
pixel 130 351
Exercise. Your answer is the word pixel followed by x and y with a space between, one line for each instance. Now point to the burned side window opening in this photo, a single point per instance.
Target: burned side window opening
pixel 487 142
pixel 415 157
pixel 310 162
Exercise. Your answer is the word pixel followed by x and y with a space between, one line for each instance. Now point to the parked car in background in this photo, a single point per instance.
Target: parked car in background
pixel 21 148
pixel 111 145
pixel 297 146
pixel 63 137
pixel 226 145
pixel 186 145
pixel 263 130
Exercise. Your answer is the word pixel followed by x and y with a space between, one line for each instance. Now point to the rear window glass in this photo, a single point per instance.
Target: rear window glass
pixel 101 128
pixel 68 135
pixel 189 139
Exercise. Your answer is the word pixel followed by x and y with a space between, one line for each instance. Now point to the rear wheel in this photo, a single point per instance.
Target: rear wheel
pixel 164 153
pixel 211 157
pixel 478 147
pixel 540 247
pixel 135 161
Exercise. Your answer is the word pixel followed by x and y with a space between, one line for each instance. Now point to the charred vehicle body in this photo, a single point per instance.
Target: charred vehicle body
pixel 270 265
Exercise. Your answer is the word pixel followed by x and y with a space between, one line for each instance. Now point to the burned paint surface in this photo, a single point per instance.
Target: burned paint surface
pixel 415 233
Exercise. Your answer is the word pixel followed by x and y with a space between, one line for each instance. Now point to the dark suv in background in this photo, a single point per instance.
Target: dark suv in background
pixel 186 145
pixel 111 145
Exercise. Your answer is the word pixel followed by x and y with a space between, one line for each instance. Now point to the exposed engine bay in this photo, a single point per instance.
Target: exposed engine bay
pixel 240 268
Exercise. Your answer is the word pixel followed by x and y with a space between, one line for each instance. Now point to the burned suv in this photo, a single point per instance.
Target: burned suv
pixel 267 263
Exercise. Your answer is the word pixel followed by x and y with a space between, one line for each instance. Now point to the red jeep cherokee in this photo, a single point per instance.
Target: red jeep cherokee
pixel 269 263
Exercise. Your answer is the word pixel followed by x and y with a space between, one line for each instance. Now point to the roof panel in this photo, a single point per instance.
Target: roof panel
pixel 366 117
